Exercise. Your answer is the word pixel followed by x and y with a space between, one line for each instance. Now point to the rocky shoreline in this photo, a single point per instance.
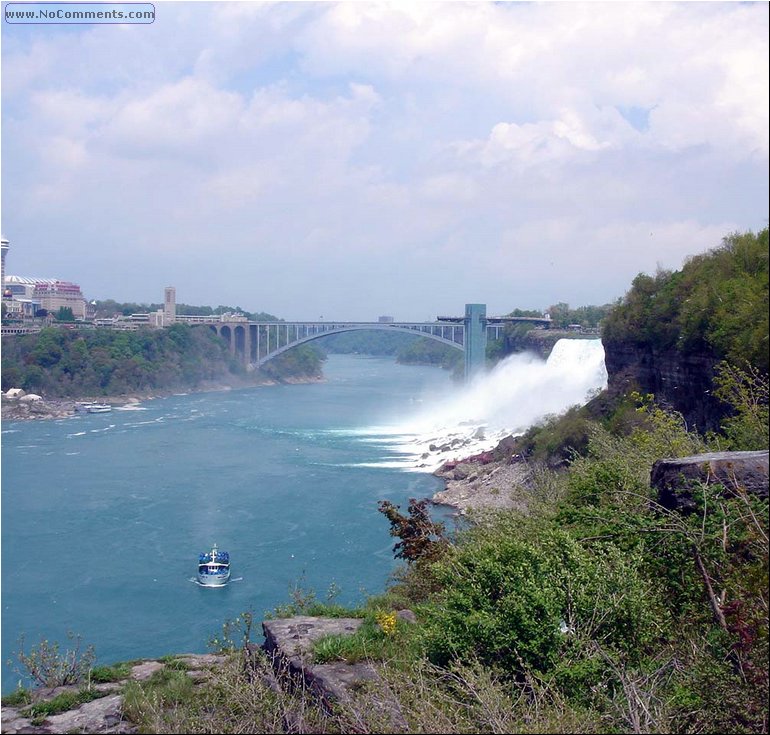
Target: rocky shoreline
pixel 494 480
pixel 28 406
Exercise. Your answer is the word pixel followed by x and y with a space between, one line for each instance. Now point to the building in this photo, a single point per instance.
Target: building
pixel 169 306
pixel 54 295
pixel 44 293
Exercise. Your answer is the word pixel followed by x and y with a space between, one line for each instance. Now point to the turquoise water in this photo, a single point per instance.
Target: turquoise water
pixel 103 516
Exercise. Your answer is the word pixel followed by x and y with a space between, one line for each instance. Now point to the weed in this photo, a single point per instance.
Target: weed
pixel 49 667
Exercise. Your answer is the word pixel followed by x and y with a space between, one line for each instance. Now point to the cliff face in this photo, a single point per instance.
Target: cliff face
pixel 682 382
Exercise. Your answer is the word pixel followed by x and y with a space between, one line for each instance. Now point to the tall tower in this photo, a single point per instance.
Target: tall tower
pixel 475 339
pixel 169 305
pixel 6 246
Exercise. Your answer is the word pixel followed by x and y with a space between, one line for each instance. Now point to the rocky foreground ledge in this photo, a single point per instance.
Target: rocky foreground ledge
pixel 105 714
pixel 288 647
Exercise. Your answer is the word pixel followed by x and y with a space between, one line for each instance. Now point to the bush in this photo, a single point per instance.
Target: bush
pixel 517 602
pixel 47 666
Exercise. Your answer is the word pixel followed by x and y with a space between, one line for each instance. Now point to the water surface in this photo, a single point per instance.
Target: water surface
pixel 103 515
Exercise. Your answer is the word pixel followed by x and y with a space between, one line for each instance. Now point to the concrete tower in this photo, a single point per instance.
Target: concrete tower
pixel 475 339
pixel 169 305
pixel 6 246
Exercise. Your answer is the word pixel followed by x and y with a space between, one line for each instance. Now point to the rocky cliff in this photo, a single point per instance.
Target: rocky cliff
pixel 680 381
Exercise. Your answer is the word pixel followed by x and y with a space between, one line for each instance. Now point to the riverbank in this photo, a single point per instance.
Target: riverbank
pixel 497 479
pixel 31 406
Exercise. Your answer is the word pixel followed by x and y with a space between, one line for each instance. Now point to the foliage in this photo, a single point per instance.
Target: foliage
pixel 46 665
pixel 305 602
pixel 381 637
pixel 746 391
pixel 586 316
pixel 109 308
pixel 19 697
pixel 509 600
pixel 104 674
pixel 165 688
pixel 369 342
pixel 421 538
pixel 426 351
pixel 236 633
pixel 717 304
pixel 77 363
pixel 301 361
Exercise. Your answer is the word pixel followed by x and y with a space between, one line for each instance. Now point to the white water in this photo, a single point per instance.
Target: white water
pixel 520 391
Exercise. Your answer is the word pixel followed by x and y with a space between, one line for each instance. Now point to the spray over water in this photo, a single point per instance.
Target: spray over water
pixel 518 392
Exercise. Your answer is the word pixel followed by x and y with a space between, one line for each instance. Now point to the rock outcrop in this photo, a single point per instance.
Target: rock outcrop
pixel 289 643
pixel 105 713
pixel 674 479
pixel 682 382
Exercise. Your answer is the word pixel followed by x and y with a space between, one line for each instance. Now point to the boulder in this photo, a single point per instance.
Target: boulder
pixel 31 397
pixel 736 471
pixel 289 643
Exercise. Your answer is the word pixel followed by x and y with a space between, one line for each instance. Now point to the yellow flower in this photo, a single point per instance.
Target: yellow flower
pixel 387 622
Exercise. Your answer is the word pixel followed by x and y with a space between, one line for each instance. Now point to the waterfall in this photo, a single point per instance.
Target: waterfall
pixel 519 391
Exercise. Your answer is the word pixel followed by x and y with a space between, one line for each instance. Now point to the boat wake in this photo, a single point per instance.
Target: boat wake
pixel 520 391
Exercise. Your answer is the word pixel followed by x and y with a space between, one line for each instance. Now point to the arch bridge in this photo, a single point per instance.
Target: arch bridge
pixel 256 343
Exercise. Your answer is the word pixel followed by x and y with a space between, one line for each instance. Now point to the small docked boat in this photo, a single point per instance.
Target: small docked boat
pixel 83 406
pixel 99 408
pixel 213 568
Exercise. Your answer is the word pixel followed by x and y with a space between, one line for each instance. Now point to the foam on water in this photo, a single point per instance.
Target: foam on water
pixel 518 392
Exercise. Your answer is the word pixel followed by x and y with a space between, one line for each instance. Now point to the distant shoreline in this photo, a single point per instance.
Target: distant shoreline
pixel 17 409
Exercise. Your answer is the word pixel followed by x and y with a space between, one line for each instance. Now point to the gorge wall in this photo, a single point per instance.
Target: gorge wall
pixel 680 381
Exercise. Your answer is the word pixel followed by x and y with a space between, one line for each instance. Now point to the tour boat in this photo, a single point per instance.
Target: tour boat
pixel 83 406
pixel 214 568
pixel 99 408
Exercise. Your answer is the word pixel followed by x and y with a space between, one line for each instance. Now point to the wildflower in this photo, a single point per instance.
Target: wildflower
pixel 387 622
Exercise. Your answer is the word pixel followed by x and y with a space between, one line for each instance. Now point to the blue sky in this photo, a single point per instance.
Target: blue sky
pixel 358 159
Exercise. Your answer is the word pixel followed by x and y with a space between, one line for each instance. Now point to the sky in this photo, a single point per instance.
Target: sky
pixel 352 160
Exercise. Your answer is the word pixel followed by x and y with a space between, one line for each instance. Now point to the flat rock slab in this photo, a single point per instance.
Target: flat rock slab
pixel 289 642
pixel 145 670
pixel 293 638
pixel 98 716
pixel 101 715
pixel 674 478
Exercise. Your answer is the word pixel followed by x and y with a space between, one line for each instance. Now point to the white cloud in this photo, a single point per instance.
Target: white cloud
pixel 316 145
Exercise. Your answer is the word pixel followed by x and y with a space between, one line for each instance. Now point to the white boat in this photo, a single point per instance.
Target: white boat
pixel 99 408
pixel 214 568
pixel 83 406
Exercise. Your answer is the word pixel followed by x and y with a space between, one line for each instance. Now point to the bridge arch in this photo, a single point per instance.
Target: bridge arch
pixel 262 360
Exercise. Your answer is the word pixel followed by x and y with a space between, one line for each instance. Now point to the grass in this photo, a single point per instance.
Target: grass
pixel 381 637
pixel 61 703
pixel 19 697
pixel 145 701
pixel 105 674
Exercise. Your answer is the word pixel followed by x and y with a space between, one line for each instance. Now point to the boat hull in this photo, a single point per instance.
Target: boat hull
pixel 213 580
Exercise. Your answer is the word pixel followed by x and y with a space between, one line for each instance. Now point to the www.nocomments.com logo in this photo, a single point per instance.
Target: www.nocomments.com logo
pixel 73 13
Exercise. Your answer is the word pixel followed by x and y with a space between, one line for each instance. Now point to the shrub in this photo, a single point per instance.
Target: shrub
pixel 516 602
pixel 47 666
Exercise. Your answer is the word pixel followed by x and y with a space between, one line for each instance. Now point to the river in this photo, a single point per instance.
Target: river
pixel 103 515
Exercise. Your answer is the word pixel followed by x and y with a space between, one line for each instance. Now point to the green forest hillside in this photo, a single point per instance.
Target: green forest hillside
pixel 58 362
pixel 716 305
